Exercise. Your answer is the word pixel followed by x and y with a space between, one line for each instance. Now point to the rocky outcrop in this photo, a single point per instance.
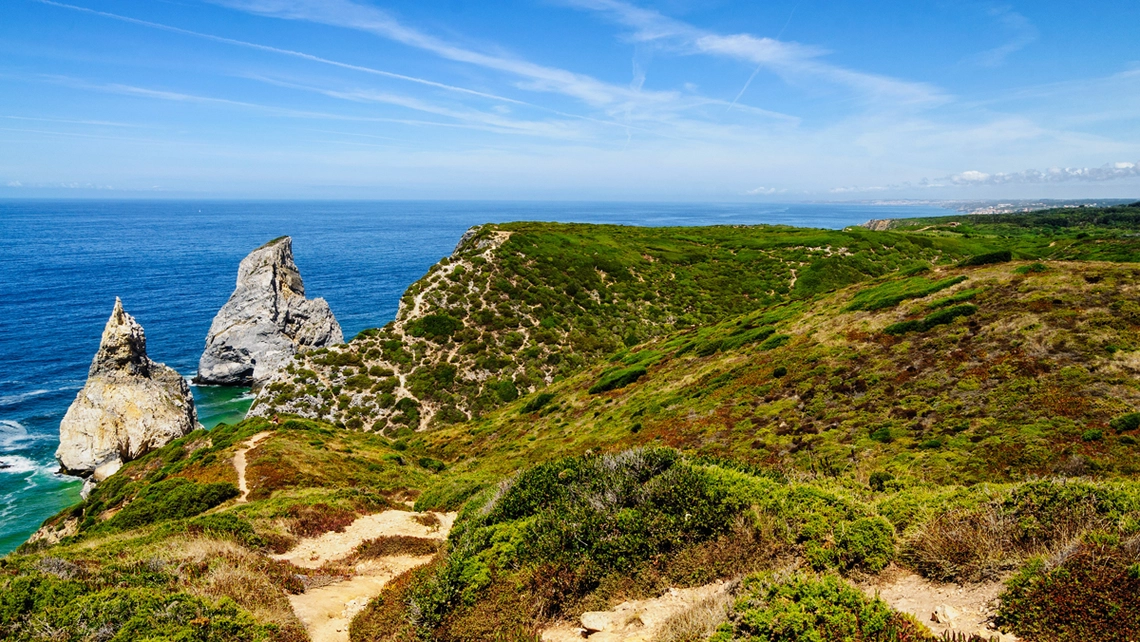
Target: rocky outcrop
pixel 879 225
pixel 129 406
pixel 265 322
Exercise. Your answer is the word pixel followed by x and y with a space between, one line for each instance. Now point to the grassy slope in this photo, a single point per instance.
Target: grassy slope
pixel 520 305
pixel 1026 386
pixel 842 440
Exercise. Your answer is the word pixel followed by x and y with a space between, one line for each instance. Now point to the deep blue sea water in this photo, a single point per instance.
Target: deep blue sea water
pixel 174 264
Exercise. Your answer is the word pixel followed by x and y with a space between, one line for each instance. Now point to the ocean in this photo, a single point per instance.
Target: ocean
pixel 174 264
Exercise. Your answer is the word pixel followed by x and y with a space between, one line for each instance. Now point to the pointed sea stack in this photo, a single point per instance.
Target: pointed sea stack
pixel 266 321
pixel 129 406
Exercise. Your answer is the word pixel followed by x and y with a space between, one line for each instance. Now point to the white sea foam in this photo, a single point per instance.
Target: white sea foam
pixel 14 436
pixel 17 465
pixel 11 400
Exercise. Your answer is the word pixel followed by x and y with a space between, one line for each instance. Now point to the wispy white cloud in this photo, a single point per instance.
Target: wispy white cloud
pixel 285 52
pixel 492 121
pixel 788 59
pixel 1022 34
pixel 352 15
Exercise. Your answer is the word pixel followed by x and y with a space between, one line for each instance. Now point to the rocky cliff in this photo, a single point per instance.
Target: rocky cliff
pixel 129 406
pixel 265 322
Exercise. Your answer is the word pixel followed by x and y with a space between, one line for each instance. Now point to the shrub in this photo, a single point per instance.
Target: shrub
pixel 808 608
pixel 73 611
pixel 433 465
pixel 882 435
pixel 582 519
pixel 989 258
pixel 1032 268
pixel 867 543
pixel 1124 423
pixel 892 293
pixel 174 498
pixel 318 519
pixel 390 545
pixel 618 379
pixel 879 479
pixel 1092 435
pixel 229 526
pixel 536 404
pixel 1092 594
pixel 774 341
pixel 505 390
pixel 434 326
pixel 934 319
pixel 779 371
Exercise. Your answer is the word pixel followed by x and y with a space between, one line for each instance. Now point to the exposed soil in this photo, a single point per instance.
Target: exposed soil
pixel 326 611
pixel 314 552
pixel 960 608
pixel 638 620
pixel 239 463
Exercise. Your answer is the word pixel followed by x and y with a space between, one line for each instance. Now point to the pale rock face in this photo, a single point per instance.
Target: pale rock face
pixel 129 406
pixel 265 322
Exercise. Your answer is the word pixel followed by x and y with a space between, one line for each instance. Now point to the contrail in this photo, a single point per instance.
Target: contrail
pixel 761 65
pixel 287 52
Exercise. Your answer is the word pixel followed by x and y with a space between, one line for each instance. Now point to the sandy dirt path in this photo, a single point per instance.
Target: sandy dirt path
pixel 314 552
pixel 643 620
pixel 326 611
pixel 239 463
pixel 945 608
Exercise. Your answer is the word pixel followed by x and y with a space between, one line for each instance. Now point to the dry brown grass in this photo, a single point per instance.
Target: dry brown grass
pixel 699 621
pixel 216 568
pixel 430 520
pixel 983 544
pixel 318 519
pixel 389 546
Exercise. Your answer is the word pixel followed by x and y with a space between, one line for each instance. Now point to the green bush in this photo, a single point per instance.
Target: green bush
pixel 1124 423
pixel 434 326
pixel 1031 268
pixel 1093 594
pixel 774 341
pixel 618 379
pixel 932 320
pixel 32 604
pixel 807 608
pixel 174 498
pixel 433 465
pixel 892 293
pixel 867 543
pixel 779 371
pixel 879 479
pixel 1092 435
pixel 536 404
pixel 989 258
pixel 592 516
pixel 229 526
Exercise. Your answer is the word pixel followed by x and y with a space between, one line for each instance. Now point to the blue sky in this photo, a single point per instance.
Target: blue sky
pixel 570 99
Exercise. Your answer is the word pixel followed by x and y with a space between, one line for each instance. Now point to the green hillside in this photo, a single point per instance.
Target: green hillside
pixel 520 305
pixel 617 411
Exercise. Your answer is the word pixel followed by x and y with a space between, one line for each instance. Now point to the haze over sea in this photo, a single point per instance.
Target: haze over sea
pixel 174 264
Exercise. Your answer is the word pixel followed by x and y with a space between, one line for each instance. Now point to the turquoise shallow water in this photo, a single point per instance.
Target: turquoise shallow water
pixel 174 264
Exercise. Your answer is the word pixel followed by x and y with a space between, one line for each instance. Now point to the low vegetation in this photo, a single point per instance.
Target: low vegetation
pixel 619 411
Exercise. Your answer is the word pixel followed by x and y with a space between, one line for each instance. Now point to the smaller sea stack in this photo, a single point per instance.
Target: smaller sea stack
pixel 129 406
pixel 265 322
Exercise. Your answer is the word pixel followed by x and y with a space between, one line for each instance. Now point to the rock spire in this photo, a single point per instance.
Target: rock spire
pixel 129 406
pixel 265 322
